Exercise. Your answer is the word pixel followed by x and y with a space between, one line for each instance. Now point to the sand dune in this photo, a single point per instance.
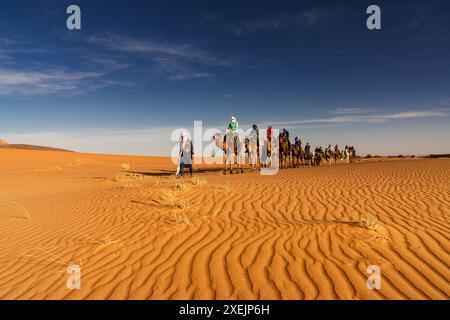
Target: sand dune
pixel 307 233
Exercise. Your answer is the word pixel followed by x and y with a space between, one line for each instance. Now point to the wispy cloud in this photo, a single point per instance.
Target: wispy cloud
pixel 172 60
pixel 26 69
pixel 187 51
pixel 173 70
pixel 281 21
pixel 372 118
pixel 51 81
pixel 350 110
pixel 7 41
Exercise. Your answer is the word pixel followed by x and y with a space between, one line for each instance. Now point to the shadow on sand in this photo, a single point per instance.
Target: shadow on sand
pixel 168 173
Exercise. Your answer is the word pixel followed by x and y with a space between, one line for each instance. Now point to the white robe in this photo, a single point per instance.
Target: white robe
pixel 185 151
pixel 253 146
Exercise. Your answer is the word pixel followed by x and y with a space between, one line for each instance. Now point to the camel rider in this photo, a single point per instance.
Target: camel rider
pixel 233 126
pixel 296 141
pixel 307 147
pixel 255 128
pixel 269 136
pixel 253 147
pixel 269 133
pixel 285 135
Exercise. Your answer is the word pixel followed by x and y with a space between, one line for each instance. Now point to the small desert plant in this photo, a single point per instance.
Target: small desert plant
pixel 183 204
pixel 369 221
pixel 103 243
pixel 128 180
pixel 106 242
pixel 198 182
pixel 169 197
pixel 226 188
pixel 178 218
pixel 181 186
pixel 126 166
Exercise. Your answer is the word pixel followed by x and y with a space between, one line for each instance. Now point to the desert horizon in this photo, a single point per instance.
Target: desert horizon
pixel 6 145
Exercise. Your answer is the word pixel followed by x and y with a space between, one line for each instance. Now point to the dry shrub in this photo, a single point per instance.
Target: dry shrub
pixel 226 188
pixel 198 182
pixel 169 197
pixel 180 186
pixel 179 218
pixel 126 166
pixel 108 241
pixel 130 180
pixel 371 223
pixel 183 204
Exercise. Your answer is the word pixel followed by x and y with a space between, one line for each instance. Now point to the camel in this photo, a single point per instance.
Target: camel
pixel 352 154
pixel 329 156
pixel 251 148
pixel 318 156
pixel 266 153
pixel 298 154
pixel 285 153
pixel 235 147
pixel 337 154
pixel 308 156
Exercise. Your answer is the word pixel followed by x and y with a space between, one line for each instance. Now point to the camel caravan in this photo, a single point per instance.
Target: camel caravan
pixel 265 151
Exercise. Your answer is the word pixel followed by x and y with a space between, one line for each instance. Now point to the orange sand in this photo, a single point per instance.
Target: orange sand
pixel 305 233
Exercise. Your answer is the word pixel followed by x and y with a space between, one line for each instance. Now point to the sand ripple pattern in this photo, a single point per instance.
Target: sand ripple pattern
pixel 289 236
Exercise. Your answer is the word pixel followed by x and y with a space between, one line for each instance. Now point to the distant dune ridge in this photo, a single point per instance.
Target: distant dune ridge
pixel 6 145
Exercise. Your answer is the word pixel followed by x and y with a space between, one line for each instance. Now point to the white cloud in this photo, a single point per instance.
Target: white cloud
pixel 373 118
pixel 281 21
pixel 172 60
pixel 48 81
pixel 174 70
pixel 185 51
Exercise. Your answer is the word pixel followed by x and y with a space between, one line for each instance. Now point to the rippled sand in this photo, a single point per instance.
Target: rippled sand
pixel 137 233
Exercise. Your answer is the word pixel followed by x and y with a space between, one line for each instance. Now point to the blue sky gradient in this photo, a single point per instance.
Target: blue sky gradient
pixel 140 69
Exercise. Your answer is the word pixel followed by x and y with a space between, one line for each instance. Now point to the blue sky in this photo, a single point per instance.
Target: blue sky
pixel 140 69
